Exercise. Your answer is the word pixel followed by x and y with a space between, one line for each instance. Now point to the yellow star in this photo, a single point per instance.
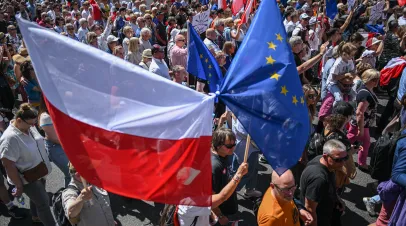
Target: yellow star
pixel 276 76
pixel 294 100
pixel 271 45
pixel 207 60
pixel 209 66
pixel 284 90
pixel 279 37
pixel 270 60
pixel 302 100
pixel 201 56
pixel 209 74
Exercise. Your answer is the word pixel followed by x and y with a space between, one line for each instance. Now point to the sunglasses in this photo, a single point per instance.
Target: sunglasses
pixel 181 40
pixel 311 96
pixel 347 85
pixel 338 160
pixel 229 146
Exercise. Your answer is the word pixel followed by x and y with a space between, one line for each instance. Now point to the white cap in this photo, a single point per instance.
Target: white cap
pixel 112 38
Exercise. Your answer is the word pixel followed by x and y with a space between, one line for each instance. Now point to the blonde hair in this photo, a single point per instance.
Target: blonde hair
pixel 91 36
pixel 369 75
pixel 347 48
pixel 133 47
pixel 228 21
pixel 127 29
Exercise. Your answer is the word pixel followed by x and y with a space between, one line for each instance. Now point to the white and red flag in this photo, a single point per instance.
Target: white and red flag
pixel 124 129
pixel 247 12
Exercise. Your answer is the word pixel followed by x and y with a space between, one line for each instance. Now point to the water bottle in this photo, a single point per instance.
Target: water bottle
pixel 20 199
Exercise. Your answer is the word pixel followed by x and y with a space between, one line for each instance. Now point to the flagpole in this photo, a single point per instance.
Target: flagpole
pixel 84 182
pixel 247 148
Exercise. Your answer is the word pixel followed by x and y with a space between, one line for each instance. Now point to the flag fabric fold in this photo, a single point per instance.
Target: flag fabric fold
pixel 247 12
pixel 262 88
pixel 331 9
pixel 393 69
pixel 201 63
pixel 123 128
pixel 236 6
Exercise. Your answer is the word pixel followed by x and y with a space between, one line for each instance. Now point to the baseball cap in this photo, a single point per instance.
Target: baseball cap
pixel 157 48
pixel 373 42
pixel 112 38
pixel 304 16
pixel 147 53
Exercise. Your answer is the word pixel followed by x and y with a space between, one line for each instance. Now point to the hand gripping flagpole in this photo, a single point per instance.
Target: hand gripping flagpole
pixel 247 148
pixel 84 182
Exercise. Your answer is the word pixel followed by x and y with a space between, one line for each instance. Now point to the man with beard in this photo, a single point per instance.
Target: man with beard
pixel 278 207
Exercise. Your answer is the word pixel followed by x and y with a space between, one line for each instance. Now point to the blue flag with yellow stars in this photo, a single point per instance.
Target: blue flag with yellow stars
pixel 201 63
pixel 263 90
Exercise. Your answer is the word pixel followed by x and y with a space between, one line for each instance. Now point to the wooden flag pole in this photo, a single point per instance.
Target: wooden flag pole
pixel 247 148
pixel 84 182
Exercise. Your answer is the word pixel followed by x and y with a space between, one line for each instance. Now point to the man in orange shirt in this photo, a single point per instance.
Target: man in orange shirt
pixel 277 207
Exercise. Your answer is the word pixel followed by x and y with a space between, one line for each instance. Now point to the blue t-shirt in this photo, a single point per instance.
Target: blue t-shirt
pixel 33 96
pixel 402 85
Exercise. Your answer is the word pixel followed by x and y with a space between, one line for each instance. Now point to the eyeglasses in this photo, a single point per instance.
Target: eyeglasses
pixel 229 146
pixel 286 190
pixel 338 160
pixel 148 18
pixel 35 122
pixel 181 40
pixel 311 96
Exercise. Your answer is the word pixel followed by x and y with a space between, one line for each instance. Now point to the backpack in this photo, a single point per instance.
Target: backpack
pixel 382 155
pixel 57 207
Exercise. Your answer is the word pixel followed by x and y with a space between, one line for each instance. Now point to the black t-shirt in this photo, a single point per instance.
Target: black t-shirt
pixel 318 184
pixel 364 94
pixel 298 62
pixel 3 26
pixel 220 178
pixel 161 30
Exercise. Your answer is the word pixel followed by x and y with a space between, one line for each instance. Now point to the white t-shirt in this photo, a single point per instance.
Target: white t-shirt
pixel 340 67
pixel 368 56
pixel 314 40
pixel 187 214
pixel 26 150
pixel 289 27
pixel 402 21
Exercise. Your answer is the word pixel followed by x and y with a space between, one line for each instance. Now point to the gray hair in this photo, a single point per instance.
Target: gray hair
pixel 145 30
pixel 333 145
pixel 295 40
pixel 82 21
pixel 218 22
pixel 183 32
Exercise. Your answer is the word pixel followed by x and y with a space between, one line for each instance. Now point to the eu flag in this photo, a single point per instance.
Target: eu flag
pixel 331 8
pixel 200 62
pixel 263 90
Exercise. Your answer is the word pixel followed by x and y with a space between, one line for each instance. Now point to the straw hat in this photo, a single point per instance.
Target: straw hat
pixel 22 56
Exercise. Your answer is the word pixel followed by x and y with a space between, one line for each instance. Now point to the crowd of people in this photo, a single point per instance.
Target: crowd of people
pixel 342 61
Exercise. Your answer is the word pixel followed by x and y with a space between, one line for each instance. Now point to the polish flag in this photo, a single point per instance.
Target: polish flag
pixel 393 69
pixel 124 129
pixel 368 36
pixel 236 6
pixel 222 4
pixel 246 15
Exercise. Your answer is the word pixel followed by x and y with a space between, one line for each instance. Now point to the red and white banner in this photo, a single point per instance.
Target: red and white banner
pixel 247 12
pixel 124 129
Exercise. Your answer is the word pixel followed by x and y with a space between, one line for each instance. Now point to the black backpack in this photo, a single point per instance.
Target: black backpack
pixel 382 155
pixel 57 207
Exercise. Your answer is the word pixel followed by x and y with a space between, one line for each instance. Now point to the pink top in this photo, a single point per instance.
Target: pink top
pixel 178 56
pixel 327 105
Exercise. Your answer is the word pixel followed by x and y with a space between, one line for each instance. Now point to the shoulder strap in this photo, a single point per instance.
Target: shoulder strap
pixel 194 221
pixel 74 188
